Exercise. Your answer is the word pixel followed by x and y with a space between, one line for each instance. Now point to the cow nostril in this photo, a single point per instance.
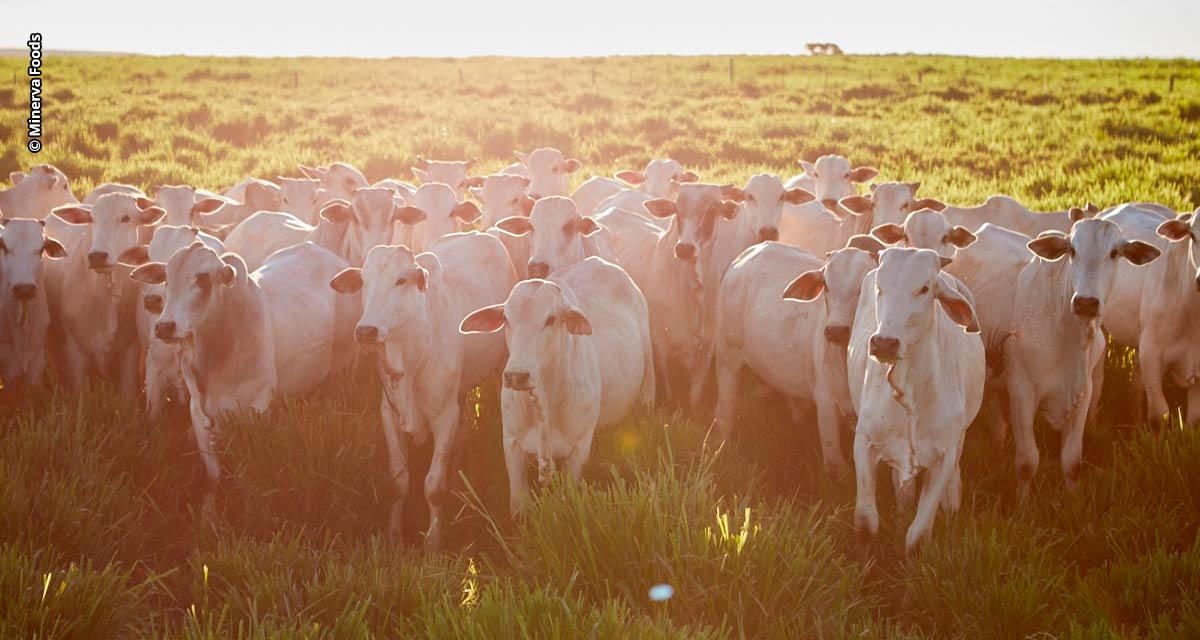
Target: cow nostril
pixel 770 234
pixel 518 380
pixel 165 329
pixel 829 203
pixel 885 348
pixel 838 334
pixel 24 291
pixel 537 269
pixel 366 333
pixel 1085 306
pixel 97 258
pixel 685 251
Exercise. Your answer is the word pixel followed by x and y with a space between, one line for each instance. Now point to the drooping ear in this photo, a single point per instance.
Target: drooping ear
pixel 523 158
pixel 421 278
pixel 728 209
pixel 928 203
pixel 474 181
pixel 957 307
pixel 660 207
pixel 485 320
pixel 730 192
pixel 576 323
pixel 1175 230
pixel 809 168
pixel 150 273
pixel 207 205
pixel 516 225
pixel 1138 252
pixel 572 165
pixel 16 177
pixel 867 243
pixel 53 249
pixel 689 176
pixel 150 215
pixel 74 213
pixel 863 174
pixel 527 205
pixel 134 256
pixel 586 226
pixel 889 233
pixel 348 280
pixel 798 196
pixel 420 174
pixel 1077 214
pixel 858 205
pixel 913 187
pixel 466 211
pixel 227 275
pixel 944 261
pixel 338 211
pixel 960 237
pixel 630 177
pixel 408 214
pixel 807 286
pixel 1050 247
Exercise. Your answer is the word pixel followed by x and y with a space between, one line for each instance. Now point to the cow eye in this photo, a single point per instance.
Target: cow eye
pixel 1113 255
pixel 847 175
pixel 400 281
pixel 904 207
pixel 550 321
pixel 124 218
pixel 202 280
pixel 924 290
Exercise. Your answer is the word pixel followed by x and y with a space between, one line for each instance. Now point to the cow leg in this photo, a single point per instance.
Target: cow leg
pixel 205 432
pixel 397 461
pixel 1150 361
pixel 1193 404
pixel 866 515
pixel 127 370
pixel 74 366
pixel 1138 401
pixel 828 427
pixel 906 495
pixel 1022 406
pixel 998 416
pixel 518 475
pixel 661 370
pixel 703 365
pixel 729 369
pixel 155 391
pixel 445 435
pixel 1097 383
pixel 936 481
pixel 579 457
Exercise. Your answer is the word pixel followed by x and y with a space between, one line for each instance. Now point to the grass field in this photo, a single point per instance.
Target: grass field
pixel 99 529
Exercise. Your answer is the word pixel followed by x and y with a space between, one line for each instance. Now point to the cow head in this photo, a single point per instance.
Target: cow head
pixel 834 179
pixel 695 212
pixel 890 202
pixel 441 214
pixel 114 222
pixel 369 219
pixel 549 172
pixel 503 196
pixel 183 206
pixel 661 179
pixel 301 197
pixel 339 180
pixel 926 229
pixel 23 245
pixel 557 234
pixel 166 241
pixel 1183 228
pixel 908 287
pixel 450 173
pixel 195 279
pixel 762 205
pixel 394 283
pixel 840 280
pixel 35 194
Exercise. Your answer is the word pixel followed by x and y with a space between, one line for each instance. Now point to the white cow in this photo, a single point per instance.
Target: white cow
pixel 548 172
pixel 111 187
pixel 90 296
pixel 24 316
pixel 216 317
pixel 303 197
pixel 1057 344
pixel 889 202
pixel 661 179
pixel 557 235
pixel 338 180
pixel 450 173
pixel 579 357
pixel 186 205
pixel 413 306
pixel 243 200
pixel 916 380
pixel 823 226
pixel 35 194
pixel 502 196
pixel 593 191
pixel 438 212
pixel 1006 212
pixel 797 349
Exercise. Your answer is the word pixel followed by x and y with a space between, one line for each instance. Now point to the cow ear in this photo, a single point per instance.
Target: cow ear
pixel 476 193
pixel 1175 230
pixel 516 225
pixel 863 174
pixel 1091 209
pixel 227 274
pixel 150 273
pixel 928 203
pixel 913 187
pixel 572 165
pixel 207 205
pixel 957 307
pixel 521 157
pixel 74 213
pixel 527 205
pixel 798 196
pixel 889 233
pixel 485 320
pixel 134 256
pixel 858 205
pixel 1077 214
pixel 221 231
pixel 587 226
pixel 730 192
pixel 466 211
pixel 1050 247
pixel 660 207
pixel 313 173
pixel 689 176
pixel 474 181
pixel 337 211
pixel 867 243
pixel 944 261
pixel 807 286
pixel 960 237
pixel 143 202
pixel 53 249
pixel 1138 252
pixel 809 168
pixel 150 215
pixel 728 209
pixel 420 174
pixel 630 177
pixel 576 323
pixel 421 279
pixel 16 177
pixel 409 214
pixel 348 280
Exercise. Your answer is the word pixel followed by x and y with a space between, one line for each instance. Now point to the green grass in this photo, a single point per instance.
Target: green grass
pixel 99 528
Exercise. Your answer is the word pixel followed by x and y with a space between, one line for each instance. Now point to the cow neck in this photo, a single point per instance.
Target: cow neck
pixel 218 348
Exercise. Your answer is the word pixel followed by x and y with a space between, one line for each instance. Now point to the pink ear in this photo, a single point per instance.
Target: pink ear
pixel 73 213
pixel 348 280
pixel 1138 252
pixel 661 207
pixel 572 165
pixel 730 192
pixel 485 320
pixel 516 225
pixel 689 176
pixel 860 205
pixel 466 211
pixel 227 275
pixel 960 237
pixel 151 215
pixel 1050 247
pixel 889 233
pixel 52 249
pixel 867 243
pixel 798 196
pixel 928 203
pixel 475 181
pixel 527 205
pixel 421 279
pixel 144 202
pixel 631 177
pixel 337 211
pixel 150 273
pixel 807 286
pixel 409 214
pixel 587 226
pixel 1174 230
pixel 207 205
pixel 957 308
pixel 863 174
pixel 577 324
pixel 134 256
pixel 728 209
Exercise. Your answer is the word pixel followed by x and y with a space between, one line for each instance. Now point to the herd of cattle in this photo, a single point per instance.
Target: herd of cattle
pixel 889 314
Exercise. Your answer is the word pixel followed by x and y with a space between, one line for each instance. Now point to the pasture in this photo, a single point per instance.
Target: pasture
pixel 100 533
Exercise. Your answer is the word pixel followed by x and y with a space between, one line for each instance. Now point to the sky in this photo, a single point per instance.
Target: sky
pixel 568 28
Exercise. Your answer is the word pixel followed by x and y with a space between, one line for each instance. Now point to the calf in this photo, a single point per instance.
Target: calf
pixel 579 357
pixel 916 380
pixel 185 205
pixel 35 194
pixel 823 226
pixel 339 180
pixel 797 349
pixel 413 306
pixel 24 316
pixel 557 236
pixel 661 179
pixel 450 173
pixel 889 202
pixel 438 212
pixel 1056 344
pixel 548 172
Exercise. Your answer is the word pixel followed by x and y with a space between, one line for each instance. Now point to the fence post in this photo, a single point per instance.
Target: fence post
pixel 731 70
pixel 1171 87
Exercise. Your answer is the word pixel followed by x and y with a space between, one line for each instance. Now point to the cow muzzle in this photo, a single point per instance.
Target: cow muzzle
pixel 1085 307
pixel 366 334
pixel 98 260
pixel 838 334
pixel 165 331
pixel 685 251
pixel 24 292
pixel 517 380
pixel 830 204
pixel 537 269
pixel 768 234
pixel 885 349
